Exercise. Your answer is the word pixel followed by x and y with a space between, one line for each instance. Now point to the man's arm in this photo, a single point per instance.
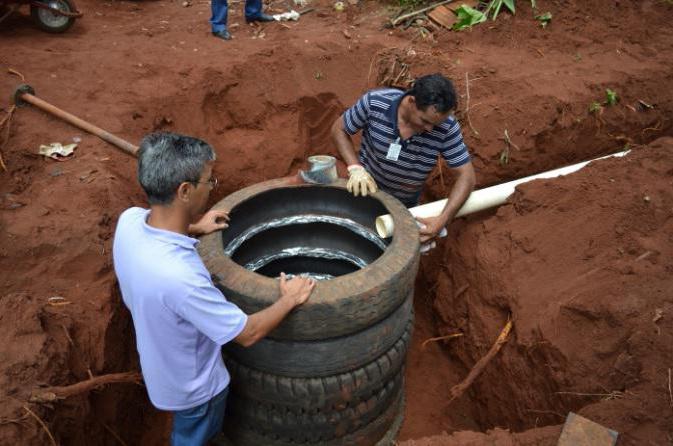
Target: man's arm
pixel 359 180
pixel 343 142
pixel 462 189
pixel 292 293
pixel 210 222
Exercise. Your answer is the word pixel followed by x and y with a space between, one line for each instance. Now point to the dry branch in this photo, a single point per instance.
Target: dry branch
pixel 467 103
pixel 114 434
pixel 440 338
pixel 51 394
pixel 459 389
pixel 44 426
pixel 6 121
pixel 670 393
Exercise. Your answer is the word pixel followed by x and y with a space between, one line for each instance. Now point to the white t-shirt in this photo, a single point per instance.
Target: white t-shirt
pixel 181 319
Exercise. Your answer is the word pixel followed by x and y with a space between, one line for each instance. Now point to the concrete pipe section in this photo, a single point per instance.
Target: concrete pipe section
pixel 333 372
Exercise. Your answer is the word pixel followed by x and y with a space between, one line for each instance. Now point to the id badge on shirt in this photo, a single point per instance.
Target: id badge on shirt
pixel 394 150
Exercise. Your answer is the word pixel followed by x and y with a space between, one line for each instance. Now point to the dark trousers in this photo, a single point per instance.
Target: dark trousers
pixel 220 9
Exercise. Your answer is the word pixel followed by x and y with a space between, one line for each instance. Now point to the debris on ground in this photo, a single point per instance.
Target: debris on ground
pixel 291 15
pixel 57 151
pixel 580 431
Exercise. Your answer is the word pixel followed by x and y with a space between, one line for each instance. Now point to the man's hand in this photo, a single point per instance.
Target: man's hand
pixel 210 222
pixel 430 227
pixel 297 289
pixel 360 181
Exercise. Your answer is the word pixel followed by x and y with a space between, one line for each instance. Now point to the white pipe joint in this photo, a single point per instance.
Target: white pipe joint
pixel 481 199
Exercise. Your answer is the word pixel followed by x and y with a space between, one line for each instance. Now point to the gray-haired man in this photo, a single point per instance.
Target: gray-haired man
pixel 181 320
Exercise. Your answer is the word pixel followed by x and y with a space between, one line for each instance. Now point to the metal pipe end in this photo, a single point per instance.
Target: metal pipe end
pixel 17 96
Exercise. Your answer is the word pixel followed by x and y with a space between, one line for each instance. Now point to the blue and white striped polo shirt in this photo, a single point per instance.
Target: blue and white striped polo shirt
pixel 376 114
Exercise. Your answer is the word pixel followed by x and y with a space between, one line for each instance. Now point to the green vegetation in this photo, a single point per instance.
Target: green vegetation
pixel 611 97
pixel 595 107
pixel 467 17
pixel 544 19
pixel 494 7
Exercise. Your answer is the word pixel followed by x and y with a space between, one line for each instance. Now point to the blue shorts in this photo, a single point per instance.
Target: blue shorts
pixel 197 425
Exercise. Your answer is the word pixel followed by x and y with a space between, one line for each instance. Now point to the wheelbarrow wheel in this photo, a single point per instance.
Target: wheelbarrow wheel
pixel 53 22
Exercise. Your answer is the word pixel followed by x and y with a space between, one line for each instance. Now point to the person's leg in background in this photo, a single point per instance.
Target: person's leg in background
pixel 197 425
pixel 218 20
pixel 253 12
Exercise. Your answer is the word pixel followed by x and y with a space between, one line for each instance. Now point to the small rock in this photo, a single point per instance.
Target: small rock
pixel 646 198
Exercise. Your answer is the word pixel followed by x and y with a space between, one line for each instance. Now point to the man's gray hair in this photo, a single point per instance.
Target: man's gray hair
pixel 166 160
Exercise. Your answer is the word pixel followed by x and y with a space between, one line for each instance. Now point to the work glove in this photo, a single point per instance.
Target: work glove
pixel 359 181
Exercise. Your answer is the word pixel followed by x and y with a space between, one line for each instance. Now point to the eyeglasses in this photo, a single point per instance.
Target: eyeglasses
pixel 212 181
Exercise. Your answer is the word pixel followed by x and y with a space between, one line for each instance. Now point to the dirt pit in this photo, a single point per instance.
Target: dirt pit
pixel 582 264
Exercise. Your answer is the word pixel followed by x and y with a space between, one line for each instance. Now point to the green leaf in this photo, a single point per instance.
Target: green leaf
pixel 510 5
pixel 467 18
pixel 544 19
pixel 595 107
pixel 611 97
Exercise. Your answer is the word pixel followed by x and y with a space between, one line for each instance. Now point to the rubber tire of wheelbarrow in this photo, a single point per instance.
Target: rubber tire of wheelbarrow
pixel 325 394
pixel 380 432
pixel 337 307
pixel 34 14
pixel 328 356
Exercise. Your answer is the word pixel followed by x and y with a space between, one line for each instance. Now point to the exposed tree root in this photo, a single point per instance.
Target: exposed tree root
pixel 459 389
pixel 51 394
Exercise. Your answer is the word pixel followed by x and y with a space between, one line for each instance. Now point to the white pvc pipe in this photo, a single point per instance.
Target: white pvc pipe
pixel 480 199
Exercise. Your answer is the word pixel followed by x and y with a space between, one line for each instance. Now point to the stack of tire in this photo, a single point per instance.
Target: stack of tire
pixel 332 373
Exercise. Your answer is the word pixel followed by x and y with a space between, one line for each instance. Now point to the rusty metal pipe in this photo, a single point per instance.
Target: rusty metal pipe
pixel 25 94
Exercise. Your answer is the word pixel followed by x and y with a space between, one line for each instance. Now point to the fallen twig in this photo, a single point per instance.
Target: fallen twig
pixel 459 389
pixel 44 426
pixel 6 121
pixel 670 394
pixel 439 338
pixel 467 103
pixel 404 17
pixel 67 335
pixel 504 155
pixel 16 73
pixel 55 393
pixel 114 434
pixel 608 396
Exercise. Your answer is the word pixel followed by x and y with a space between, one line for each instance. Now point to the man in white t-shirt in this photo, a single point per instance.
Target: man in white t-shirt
pixel 181 319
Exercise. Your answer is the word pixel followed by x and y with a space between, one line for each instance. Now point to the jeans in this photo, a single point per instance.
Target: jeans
pixel 197 425
pixel 220 8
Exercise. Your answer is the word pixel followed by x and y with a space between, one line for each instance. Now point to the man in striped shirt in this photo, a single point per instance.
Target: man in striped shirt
pixel 403 134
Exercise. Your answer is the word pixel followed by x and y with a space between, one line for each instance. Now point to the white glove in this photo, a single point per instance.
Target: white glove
pixel 359 181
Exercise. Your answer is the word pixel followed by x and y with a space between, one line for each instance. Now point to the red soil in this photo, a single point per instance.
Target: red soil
pixel 582 264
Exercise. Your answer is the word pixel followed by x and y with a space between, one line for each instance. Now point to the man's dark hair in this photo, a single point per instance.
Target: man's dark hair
pixel 435 90
pixel 166 160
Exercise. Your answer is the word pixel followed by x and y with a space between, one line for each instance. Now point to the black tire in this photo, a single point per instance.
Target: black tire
pixel 53 22
pixel 326 357
pixel 324 394
pixel 337 307
pixel 272 420
pixel 380 432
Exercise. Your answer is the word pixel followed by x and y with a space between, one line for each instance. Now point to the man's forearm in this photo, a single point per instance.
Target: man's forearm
pixel 343 142
pixel 263 322
pixel 461 190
